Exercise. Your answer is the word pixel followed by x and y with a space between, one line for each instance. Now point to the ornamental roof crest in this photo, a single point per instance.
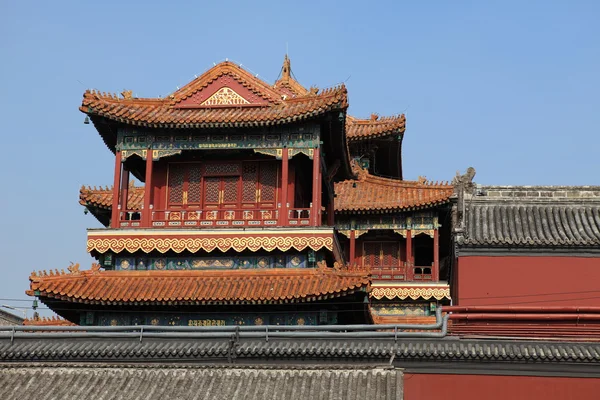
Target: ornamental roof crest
pixel 225 97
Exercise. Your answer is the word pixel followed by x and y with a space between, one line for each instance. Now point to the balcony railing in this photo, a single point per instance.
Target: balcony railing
pixel 405 272
pixel 178 218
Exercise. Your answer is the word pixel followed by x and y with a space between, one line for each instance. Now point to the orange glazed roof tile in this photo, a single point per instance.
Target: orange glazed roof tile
pixel 169 112
pixel 48 321
pixel 373 193
pixel 361 129
pixel 197 287
pixel 102 197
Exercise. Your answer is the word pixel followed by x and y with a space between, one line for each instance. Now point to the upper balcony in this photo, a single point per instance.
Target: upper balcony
pixel 214 218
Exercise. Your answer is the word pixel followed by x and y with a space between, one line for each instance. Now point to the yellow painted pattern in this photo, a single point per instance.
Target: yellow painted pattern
pixel 411 292
pixel 178 245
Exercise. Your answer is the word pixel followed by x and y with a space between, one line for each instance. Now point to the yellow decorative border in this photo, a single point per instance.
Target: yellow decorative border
pixel 179 245
pixel 412 292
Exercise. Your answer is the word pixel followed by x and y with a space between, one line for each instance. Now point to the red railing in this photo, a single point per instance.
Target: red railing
pixel 404 272
pixel 299 216
pixel 238 217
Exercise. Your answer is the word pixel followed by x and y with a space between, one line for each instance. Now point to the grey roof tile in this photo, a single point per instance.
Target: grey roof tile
pixel 526 224
pixel 159 382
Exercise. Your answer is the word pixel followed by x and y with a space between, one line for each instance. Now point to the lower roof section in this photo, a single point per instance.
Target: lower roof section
pixel 197 287
pixel 446 355
pixel 164 382
pixel 414 291
pixel 193 240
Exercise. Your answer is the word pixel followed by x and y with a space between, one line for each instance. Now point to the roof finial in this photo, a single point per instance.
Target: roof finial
pixel 286 70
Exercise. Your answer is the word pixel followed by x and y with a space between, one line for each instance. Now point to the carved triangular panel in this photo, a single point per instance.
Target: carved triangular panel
pixel 225 97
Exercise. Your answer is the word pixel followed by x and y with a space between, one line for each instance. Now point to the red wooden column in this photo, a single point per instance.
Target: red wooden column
pixel 352 247
pixel 315 212
pixel 284 210
pixel 410 271
pixel 435 274
pixel 124 188
pixel 147 212
pixel 114 220
pixel 330 215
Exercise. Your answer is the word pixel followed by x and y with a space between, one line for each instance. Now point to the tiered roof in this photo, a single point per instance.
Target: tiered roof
pixel 375 127
pixel 374 193
pixel 197 287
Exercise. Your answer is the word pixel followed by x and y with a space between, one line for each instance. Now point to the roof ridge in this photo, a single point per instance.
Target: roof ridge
pixel 248 80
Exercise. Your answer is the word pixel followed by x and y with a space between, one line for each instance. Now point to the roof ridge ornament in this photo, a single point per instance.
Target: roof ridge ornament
pixel 286 69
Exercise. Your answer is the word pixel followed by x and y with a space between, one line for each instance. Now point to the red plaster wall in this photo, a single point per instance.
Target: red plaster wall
pixel 495 387
pixel 528 281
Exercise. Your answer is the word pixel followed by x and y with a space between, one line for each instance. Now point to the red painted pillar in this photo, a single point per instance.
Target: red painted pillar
pixel 284 210
pixel 331 213
pixel 114 220
pixel 124 188
pixel 315 212
pixel 352 247
pixel 435 274
pixel 148 187
pixel 410 271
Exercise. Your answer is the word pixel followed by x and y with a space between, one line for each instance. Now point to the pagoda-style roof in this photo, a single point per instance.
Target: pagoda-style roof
pixel 197 287
pixel 99 200
pixel 527 217
pixel 375 127
pixel 225 96
pixel 371 193
pixel 167 113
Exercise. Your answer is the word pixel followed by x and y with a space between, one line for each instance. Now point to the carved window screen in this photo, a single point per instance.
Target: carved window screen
pixel 249 183
pixel 222 169
pixel 372 253
pixel 268 182
pixel 211 190
pixel 230 190
pixel 194 184
pixel 176 181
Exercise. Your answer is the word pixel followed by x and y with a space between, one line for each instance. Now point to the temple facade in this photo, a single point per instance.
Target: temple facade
pixel 261 204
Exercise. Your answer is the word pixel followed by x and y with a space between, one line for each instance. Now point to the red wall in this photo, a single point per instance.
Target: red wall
pixel 527 281
pixel 495 387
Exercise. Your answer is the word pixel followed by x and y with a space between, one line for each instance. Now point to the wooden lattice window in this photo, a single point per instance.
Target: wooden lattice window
pixel 249 181
pixel 194 184
pixel 268 182
pixel 176 181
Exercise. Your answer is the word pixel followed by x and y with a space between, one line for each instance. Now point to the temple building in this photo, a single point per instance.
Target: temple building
pixel 261 204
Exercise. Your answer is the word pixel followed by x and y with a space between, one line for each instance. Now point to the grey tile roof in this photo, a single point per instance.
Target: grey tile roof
pixel 542 224
pixel 162 382
pixel 307 350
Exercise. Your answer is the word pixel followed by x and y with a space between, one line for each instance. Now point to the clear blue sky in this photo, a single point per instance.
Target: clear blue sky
pixel 509 87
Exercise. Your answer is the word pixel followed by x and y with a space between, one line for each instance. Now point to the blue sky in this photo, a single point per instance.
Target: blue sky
pixel 509 87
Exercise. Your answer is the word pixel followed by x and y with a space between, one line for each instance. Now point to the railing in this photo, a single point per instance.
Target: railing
pixel 234 217
pixel 422 273
pixel 390 331
pixel 387 273
pixel 405 272
pixel 299 216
